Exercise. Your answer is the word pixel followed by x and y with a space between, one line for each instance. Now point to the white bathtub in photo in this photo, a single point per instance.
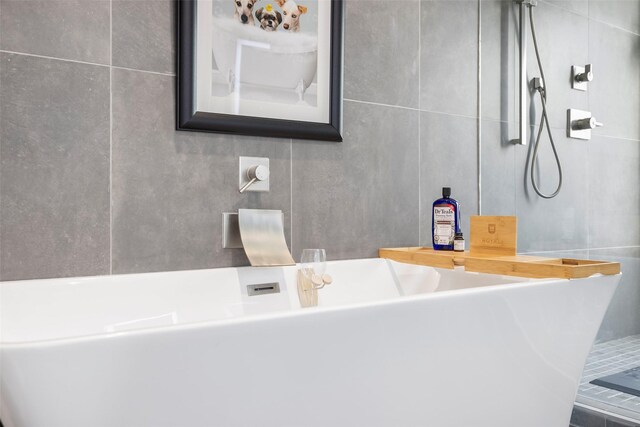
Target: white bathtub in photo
pixel 248 55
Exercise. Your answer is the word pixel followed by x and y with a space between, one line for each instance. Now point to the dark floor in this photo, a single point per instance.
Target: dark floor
pixel 583 417
pixel 605 359
pixel 598 406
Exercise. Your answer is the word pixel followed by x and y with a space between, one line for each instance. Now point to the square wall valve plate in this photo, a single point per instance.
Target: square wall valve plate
pixel 246 163
pixel 574 115
pixel 575 70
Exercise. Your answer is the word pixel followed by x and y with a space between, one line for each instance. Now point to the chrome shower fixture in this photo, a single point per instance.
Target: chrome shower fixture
pixel 580 123
pixel 538 85
pixel 580 76
pixel 524 84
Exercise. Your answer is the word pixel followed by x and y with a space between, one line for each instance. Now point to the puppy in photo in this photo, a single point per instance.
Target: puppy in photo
pixel 269 19
pixel 243 11
pixel 291 11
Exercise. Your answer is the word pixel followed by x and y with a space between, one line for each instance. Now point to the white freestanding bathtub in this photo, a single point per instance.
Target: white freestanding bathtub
pixel 389 345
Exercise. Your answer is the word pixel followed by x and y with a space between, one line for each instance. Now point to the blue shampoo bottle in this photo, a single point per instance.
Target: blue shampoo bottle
pixel 445 221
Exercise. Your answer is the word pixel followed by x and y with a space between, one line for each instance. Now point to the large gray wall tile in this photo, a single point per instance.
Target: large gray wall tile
pixel 144 34
pixel 358 196
pixel 449 56
pixel 54 170
pixel 498 169
pixel 614 93
pixel 170 188
pixel 614 200
pixel 563 41
pixel 448 158
pixel 578 6
pixel 559 223
pixel 621 13
pixel 500 60
pixel 69 29
pixel 381 51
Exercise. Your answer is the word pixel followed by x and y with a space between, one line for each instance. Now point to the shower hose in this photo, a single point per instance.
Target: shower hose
pixel 542 90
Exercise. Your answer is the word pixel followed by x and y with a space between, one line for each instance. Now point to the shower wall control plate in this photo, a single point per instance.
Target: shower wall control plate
pixel 575 84
pixel 245 164
pixel 573 116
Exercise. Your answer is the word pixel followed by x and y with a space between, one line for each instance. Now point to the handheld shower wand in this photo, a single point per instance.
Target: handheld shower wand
pixel 540 87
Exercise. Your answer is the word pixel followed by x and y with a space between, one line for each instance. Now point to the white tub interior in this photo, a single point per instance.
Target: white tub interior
pixel 112 304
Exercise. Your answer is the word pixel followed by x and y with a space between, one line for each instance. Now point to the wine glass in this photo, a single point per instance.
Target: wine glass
pixel 313 264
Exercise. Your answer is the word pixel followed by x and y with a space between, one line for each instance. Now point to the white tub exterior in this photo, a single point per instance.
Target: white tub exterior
pixel 389 345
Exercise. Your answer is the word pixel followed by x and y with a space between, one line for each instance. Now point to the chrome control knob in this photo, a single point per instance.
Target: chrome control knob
pixel 588 123
pixel 587 76
pixel 255 173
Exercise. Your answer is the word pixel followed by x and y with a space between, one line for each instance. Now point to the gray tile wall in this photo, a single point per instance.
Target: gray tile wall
pixel 598 209
pixel 95 180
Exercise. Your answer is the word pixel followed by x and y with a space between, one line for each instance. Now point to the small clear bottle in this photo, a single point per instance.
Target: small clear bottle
pixel 458 242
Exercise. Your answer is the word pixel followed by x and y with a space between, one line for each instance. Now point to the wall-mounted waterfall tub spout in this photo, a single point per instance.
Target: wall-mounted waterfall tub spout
pixel 389 344
pixel 260 232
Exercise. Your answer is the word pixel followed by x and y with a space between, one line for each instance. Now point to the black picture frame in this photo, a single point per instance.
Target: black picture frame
pixel 188 119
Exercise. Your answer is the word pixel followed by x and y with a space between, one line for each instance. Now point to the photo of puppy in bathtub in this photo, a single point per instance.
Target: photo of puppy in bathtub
pixel 243 11
pixel 269 19
pixel 292 12
pixel 265 52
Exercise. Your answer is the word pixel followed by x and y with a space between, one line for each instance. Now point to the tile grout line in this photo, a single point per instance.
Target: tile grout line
pixel 419 124
pixel 557 6
pixel 75 61
pixel 408 108
pixel 554 128
pixel 111 137
pixel 613 26
pixel 380 104
pixel 0 233
pixel 291 193
pixel 587 148
pixel 158 73
pixel 479 109
pixel 515 51
pixel 589 18
pixel 85 62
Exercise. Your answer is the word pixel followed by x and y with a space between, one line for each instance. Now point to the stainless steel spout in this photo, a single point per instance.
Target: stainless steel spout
pixel 262 234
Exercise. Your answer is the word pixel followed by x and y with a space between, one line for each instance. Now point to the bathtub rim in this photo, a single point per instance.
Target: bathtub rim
pixel 277 315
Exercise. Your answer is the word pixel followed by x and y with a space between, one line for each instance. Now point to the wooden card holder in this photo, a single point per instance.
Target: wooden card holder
pixel 493 235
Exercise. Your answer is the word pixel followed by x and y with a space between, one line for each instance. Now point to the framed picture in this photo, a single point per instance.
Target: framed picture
pixel 261 67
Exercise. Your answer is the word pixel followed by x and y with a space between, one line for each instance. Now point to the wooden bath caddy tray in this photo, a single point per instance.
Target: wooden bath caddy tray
pixel 518 265
pixel 493 251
